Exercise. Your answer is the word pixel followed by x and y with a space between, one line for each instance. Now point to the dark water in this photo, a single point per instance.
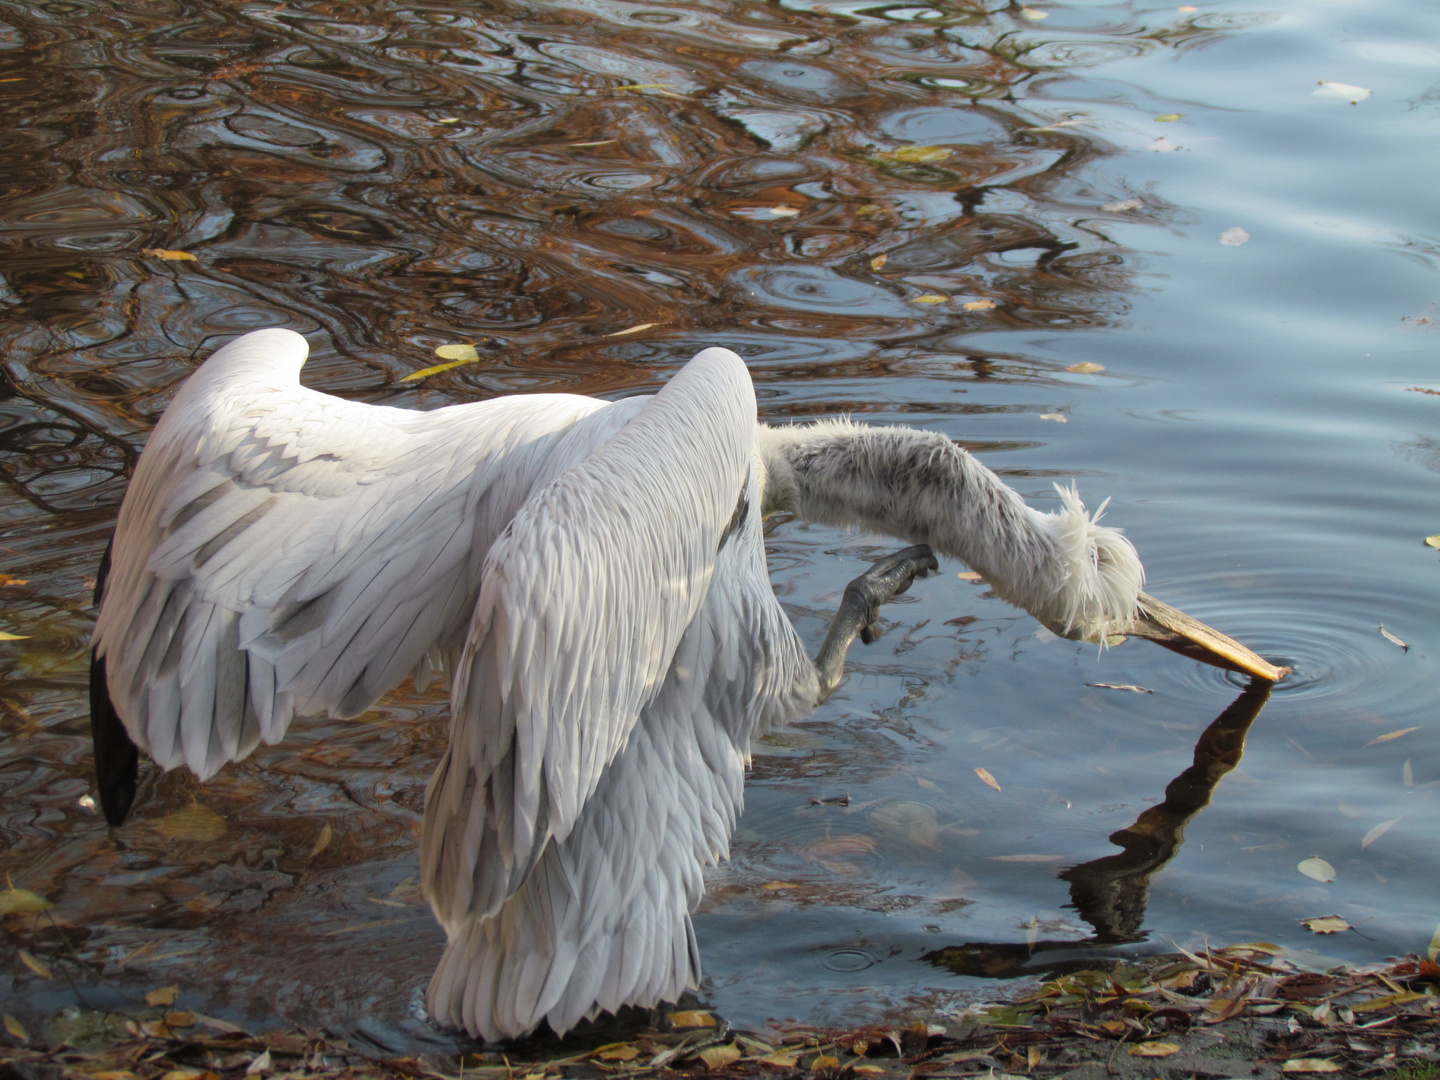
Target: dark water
pixel 537 178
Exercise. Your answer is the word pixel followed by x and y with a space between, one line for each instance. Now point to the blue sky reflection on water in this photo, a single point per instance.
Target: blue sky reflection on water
pixel 1259 426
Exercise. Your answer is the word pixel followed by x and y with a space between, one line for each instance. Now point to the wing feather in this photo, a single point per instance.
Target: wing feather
pixel 281 551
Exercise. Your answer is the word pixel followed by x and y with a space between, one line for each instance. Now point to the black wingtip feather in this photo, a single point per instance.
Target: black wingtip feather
pixel 117 759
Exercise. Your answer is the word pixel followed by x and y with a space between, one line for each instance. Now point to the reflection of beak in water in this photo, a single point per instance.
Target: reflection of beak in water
pixel 1111 893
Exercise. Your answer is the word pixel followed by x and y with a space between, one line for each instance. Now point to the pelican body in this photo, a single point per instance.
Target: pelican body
pixel 590 576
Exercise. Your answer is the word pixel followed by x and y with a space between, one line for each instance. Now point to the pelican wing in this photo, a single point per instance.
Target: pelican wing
pixel 584 600
pixel 281 552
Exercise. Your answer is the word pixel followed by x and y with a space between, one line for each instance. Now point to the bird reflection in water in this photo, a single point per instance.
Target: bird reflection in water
pixel 1111 893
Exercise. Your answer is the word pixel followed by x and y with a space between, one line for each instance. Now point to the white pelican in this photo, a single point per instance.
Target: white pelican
pixel 592 577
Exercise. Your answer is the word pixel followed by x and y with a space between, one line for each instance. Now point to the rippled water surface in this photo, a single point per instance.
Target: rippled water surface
pixel 927 213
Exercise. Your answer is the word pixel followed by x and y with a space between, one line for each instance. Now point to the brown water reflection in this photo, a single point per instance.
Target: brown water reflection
pixel 536 179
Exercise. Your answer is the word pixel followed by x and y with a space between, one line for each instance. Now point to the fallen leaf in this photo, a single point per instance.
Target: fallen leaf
pixel 6 579
pixel 1121 686
pixel 984 774
pixel 459 351
pixel 1187 9
pixel 436 370
pixel 717 1057
pixel 1392 638
pixel 692 1018
pixel 824 1062
pixel 1312 1065
pixel 179 1018
pixel 1154 1049
pixel 776 886
pixel 633 329
pixel 969 575
pixel 1434 951
pixel 1379 831
pixel 1342 91
pixel 1326 924
pixel 929 298
pixel 1317 868
pixel 920 155
pixel 1126 204
pixel 323 840
pixel 1059 418
pixel 165 253
pixel 781 1059
pixel 1234 237
pixel 1433 541
pixel 879 261
pixel 15 1028
pixel 979 305
pixel 193 823
pixel 1086 367
pixel 1391 735
pixel 35 964
pixel 15 901
pixel 1033 14
pixel 1169 117
pixel 166 995
pixel 5 636
pixel 618 1052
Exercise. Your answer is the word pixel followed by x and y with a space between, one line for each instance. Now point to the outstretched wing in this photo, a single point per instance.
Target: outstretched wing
pixel 584 600
pixel 281 552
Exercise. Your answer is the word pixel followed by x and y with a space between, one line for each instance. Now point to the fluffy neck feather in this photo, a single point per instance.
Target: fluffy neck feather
pixel 1077 577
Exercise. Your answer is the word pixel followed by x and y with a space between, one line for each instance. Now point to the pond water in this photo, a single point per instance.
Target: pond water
pixel 1247 256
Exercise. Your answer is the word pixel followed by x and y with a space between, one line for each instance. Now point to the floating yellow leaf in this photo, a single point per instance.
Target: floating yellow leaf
pixel 692 1018
pixel 16 1029
pixel 436 370
pixel 1326 924
pixel 1434 951
pixel 179 1018
pixel 1433 541
pixel 1391 735
pixel 1312 1065
pixel 4 636
pixel 717 1057
pixel 1033 14
pixel 1379 831
pixel 984 774
pixel 824 1062
pixel 969 575
pixel 1169 117
pixel 6 579
pixel 1317 868
pixel 166 253
pixel 459 351
pixel 35 964
pixel 1059 418
pixel 323 840
pixel 784 211
pixel 633 329
pixel 979 305
pixel 776 886
pixel 22 902
pixel 1086 367
pixel 1154 1049
pixel 165 996
pixel 920 155
pixel 929 298
pixel 193 823
pixel 879 261
pixel 1342 91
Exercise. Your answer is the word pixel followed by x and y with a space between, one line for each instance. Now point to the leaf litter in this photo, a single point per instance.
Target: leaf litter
pixel 1261 1001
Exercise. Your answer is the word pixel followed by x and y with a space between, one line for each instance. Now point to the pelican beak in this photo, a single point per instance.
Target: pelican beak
pixel 1168 626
